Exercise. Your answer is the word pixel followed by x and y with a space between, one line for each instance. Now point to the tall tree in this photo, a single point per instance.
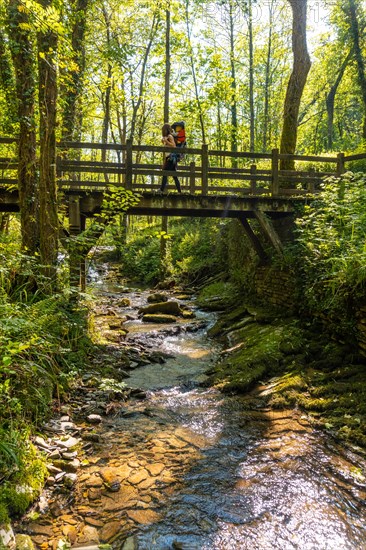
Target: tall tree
pixel 296 84
pixel 47 95
pixel 22 51
pixel 330 99
pixel 353 8
pixel 74 73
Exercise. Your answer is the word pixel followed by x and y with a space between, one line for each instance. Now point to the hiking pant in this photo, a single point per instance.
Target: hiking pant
pixel 170 165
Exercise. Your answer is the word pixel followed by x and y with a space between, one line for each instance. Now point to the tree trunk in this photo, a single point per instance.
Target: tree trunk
pixel 330 100
pixel 47 70
pixel 234 106
pixel 72 116
pixel 167 68
pixel 355 33
pixel 301 67
pixel 193 68
pixel 251 78
pixel 267 84
pixel 7 83
pixel 23 59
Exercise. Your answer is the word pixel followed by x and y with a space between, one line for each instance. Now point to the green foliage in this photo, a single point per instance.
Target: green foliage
pixel 192 251
pixel 332 236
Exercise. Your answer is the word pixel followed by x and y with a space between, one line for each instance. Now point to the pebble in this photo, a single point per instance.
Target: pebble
pixel 70 480
pixel 69 443
pixel 94 419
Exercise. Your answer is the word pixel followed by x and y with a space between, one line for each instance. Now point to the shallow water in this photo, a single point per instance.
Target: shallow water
pixel 257 479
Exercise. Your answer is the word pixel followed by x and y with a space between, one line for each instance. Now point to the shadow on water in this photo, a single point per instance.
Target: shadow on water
pixel 260 480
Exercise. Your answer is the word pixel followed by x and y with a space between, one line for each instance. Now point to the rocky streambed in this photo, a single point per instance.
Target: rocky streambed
pixel 145 455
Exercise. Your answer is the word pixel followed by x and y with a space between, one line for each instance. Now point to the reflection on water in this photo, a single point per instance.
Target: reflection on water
pixel 265 480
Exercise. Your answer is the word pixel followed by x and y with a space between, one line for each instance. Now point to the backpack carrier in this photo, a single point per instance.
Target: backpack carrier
pixel 179 136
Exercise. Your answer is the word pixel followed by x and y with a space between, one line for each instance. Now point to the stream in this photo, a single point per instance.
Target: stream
pixel 190 468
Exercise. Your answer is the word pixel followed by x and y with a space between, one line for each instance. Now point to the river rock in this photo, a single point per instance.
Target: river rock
pixel 24 542
pixel 7 538
pixel 143 517
pixel 89 534
pixel 123 302
pixel 169 308
pixel 69 443
pixel 70 480
pixel 94 419
pixel 157 297
pixel 158 318
pixel 110 530
pixel 188 314
pixel 130 543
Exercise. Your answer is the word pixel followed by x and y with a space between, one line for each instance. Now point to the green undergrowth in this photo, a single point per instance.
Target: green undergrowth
pixel 300 366
pixel 43 345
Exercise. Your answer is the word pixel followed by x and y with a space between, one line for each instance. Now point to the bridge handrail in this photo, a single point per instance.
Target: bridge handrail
pixel 128 169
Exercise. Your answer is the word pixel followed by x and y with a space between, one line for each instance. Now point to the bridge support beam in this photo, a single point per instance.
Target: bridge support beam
pixel 254 240
pixel 77 260
pixel 269 231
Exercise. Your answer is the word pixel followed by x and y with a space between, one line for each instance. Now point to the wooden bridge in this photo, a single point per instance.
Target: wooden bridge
pixel 215 183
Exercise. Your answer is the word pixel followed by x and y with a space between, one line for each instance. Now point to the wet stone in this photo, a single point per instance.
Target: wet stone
pixel 143 517
pixel 110 530
pixel 155 469
pixel 138 476
pixel 94 419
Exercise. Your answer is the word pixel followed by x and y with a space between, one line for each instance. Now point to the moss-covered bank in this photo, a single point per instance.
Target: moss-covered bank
pixel 299 364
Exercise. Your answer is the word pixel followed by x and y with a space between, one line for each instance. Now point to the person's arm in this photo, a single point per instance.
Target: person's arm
pixel 170 141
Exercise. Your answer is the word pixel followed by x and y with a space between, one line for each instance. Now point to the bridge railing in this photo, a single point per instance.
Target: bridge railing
pixel 202 171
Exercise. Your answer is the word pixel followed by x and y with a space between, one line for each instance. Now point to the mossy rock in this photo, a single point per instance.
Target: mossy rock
pixel 24 542
pixel 157 297
pixel 158 318
pixel 218 297
pixel 168 308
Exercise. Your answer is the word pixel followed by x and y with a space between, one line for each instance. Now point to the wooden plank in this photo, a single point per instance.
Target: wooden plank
pixel 163 149
pixel 192 178
pixel 257 245
pixel 300 173
pixel 274 178
pixel 268 229
pixel 239 177
pixel 253 180
pixel 90 145
pixel 307 158
pixel 9 181
pixel 129 175
pixel 204 164
pixel 359 156
pixel 8 140
pixel 239 154
pixel 340 164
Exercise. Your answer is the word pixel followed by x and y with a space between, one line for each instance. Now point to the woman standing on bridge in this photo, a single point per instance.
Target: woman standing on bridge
pixel 170 159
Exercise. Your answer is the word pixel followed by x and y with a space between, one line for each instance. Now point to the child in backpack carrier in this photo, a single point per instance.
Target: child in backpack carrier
pixel 179 135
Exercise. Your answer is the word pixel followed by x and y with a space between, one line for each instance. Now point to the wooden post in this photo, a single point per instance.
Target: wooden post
pixel 275 179
pixel 311 184
pixel 269 231
pixel 128 180
pixel 340 164
pixel 254 240
pixel 192 177
pixel 74 215
pixel 253 181
pixel 82 258
pixel 58 166
pixel 75 229
pixel 204 165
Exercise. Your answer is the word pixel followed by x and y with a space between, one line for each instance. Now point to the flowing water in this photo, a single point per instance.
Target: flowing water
pixel 242 477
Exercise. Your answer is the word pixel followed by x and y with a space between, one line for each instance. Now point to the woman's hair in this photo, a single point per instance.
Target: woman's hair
pixel 166 130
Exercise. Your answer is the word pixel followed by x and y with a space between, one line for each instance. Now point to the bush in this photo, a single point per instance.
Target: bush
pixel 331 236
